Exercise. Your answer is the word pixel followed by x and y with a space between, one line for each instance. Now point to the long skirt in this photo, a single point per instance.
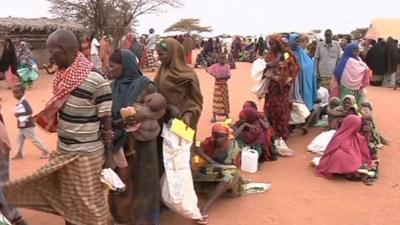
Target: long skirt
pixel 277 109
pixel 214 174
pixel 140 202
pixel 356 93
pixel 8 211
pixel 151 61
pixel 221 98
pixel 68 185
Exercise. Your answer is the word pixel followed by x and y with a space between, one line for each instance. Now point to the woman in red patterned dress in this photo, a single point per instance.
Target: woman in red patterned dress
pixel 281 69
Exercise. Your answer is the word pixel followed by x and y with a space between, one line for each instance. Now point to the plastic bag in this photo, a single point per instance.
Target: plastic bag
pixel 177 190
pixel 3 220
pixel 299 113
pixel 112 180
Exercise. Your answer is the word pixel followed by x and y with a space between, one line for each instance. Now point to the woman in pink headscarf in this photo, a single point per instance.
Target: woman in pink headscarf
pixel 348 151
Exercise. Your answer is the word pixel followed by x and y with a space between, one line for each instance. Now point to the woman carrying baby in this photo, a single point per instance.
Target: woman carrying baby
pixel 136 108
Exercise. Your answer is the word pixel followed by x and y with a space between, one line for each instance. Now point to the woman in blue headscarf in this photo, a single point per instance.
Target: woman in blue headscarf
pixel 304 88
pixel 351 75
pixel 136 163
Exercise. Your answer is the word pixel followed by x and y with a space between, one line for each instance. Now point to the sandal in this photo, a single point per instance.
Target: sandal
pixel 204 220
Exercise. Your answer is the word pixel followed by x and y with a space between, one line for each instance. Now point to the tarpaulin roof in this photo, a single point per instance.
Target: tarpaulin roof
pixel 384 28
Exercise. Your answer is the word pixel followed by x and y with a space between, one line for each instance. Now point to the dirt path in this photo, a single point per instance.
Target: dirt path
pixel 297 196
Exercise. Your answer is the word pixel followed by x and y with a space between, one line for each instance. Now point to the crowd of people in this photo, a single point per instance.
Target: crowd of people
pixel 93 86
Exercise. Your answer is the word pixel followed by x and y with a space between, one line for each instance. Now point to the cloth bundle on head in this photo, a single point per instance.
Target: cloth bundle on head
pixel 66 81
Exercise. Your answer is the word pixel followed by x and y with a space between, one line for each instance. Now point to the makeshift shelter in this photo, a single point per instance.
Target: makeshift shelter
pixel 35 31
pixel 384 28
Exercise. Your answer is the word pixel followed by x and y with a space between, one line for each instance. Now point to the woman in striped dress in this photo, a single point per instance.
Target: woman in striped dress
pixel 222 73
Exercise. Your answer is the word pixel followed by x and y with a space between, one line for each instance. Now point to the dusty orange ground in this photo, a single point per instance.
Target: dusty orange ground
pixel 297 196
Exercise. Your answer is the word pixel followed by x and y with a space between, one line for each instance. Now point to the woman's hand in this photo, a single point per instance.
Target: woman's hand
pixel 187 119
pixel 120 123
pixel 173 111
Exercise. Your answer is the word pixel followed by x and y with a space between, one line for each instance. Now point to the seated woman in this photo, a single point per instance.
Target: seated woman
pixel 220 151
pixel 348 153
pixel 253 130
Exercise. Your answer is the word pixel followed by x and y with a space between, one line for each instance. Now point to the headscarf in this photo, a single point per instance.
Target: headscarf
pixel 347 54
pixel 178 82
pixel 347 151
pixel 291 67
pixel 65 82
pixel 9 58
pixel 220 128
pixel 125 91
pixel 304 87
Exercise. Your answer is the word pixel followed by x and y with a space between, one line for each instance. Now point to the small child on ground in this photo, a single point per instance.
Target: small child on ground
pixel 26 126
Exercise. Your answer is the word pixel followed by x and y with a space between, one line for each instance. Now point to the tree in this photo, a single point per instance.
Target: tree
pixel 113 17
pixel 188 26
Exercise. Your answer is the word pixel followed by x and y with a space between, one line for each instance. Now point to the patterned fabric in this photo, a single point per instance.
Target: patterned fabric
pixel 68 185
pixel 221 98
pixel 150 60
pixel 68 79
pixel 277 101
pixel 79 117
pixel 9 212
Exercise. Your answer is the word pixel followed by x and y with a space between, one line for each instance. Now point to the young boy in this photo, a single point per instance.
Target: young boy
pixel 26 126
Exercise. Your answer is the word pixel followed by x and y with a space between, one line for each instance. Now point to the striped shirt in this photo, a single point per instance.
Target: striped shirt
pixel 79 119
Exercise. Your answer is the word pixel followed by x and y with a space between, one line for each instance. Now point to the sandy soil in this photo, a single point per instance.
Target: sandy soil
pixel 297 196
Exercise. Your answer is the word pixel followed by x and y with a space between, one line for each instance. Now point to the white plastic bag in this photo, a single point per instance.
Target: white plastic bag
pixel 299 113
pixel 257 74
pixel 177 190
pixel 257 69
pixel 319 144
pixel 112 180
pixel 3 220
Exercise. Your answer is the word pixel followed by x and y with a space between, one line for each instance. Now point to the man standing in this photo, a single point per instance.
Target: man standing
pixel 80 112
pixel 151 46
pixel 327 56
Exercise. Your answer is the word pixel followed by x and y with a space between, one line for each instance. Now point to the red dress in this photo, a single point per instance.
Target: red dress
pixel 277 101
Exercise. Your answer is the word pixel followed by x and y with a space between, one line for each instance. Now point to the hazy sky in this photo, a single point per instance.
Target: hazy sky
pixel 249 17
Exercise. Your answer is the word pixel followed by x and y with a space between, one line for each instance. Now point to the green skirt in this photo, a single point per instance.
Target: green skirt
pixel 356 93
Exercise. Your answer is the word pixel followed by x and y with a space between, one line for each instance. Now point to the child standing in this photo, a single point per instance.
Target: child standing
pixel 222 73
pixel 26 126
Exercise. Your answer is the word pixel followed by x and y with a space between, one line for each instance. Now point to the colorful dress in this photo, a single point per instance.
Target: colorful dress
pixel 227 171
pixel 277 101
pixel 222 74
pixel 27 67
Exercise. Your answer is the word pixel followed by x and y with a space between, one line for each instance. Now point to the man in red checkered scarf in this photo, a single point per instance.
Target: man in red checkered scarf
pixel 69 184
